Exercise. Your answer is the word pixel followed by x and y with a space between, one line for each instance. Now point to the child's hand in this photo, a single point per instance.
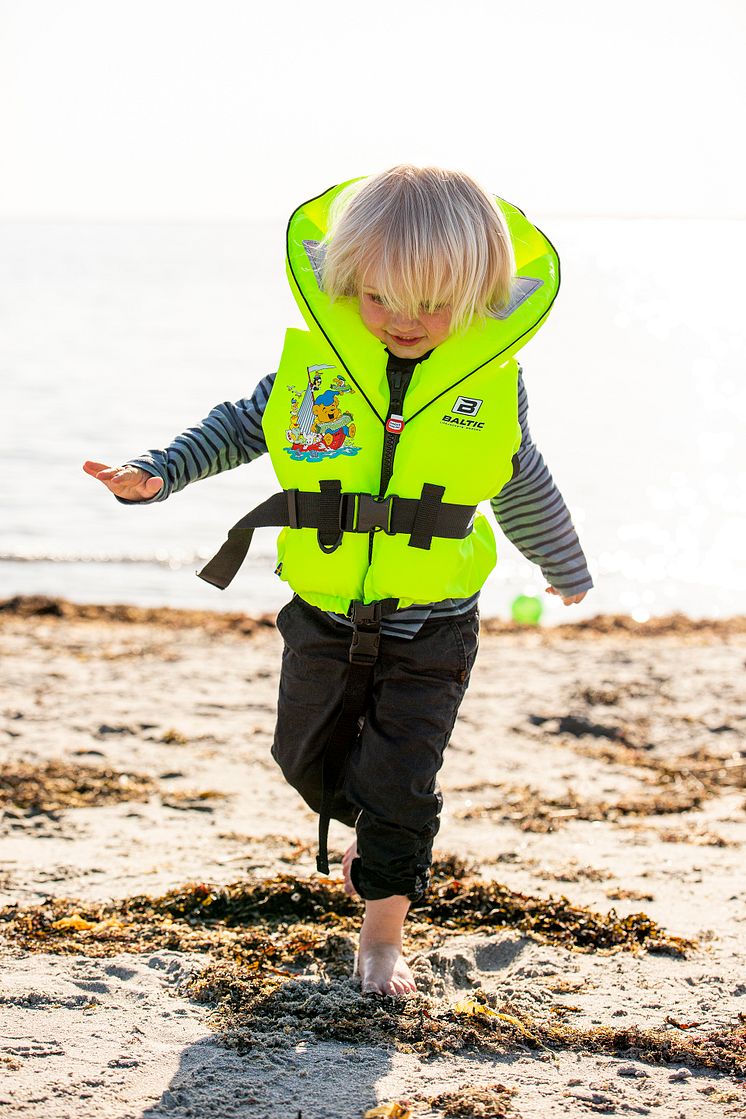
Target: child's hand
pixel 567 599
pixel 128 482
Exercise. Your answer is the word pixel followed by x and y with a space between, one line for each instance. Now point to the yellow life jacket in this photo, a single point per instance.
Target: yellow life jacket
pixel 325 423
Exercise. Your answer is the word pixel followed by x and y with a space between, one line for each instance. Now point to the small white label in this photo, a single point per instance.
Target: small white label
pixel 467 406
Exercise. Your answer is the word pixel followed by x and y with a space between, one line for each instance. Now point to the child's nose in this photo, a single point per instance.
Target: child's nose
pixel 403 322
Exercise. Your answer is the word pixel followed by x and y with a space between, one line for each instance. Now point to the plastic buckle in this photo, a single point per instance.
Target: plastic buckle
pixel 365 645
pixel 372 513
pixel 365 613
pixel 366 635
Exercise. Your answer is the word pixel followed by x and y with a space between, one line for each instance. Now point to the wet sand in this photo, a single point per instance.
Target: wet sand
pixel 602 762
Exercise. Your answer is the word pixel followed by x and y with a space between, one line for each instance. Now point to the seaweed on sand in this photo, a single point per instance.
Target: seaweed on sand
pixel 55 785
pixel 303 1009
pixel 679 626
pixel 475 904
pixel 711 772
pixel 538 813
pixel 273 945
pixel 260 918
pixel 60 609
pixel 629 745
pixel 485 1101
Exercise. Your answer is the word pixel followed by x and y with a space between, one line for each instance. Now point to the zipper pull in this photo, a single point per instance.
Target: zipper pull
pixel 395 424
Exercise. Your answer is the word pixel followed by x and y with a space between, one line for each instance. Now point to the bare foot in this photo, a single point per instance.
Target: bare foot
pixel 380 963
pixel 349 855
pixel 384 971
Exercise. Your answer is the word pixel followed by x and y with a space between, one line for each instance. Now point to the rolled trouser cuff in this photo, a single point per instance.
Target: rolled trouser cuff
pixel 375 887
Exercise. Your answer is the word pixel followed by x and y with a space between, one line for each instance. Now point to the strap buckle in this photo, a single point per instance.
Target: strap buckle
pixel 372 513
pixel 365 613
pixel 365 645
pixel 366 633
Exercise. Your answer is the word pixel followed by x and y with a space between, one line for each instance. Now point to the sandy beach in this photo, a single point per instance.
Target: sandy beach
pixel 169 950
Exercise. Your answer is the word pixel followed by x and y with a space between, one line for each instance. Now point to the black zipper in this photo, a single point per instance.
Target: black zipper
pixel 399 379
pixel 399 373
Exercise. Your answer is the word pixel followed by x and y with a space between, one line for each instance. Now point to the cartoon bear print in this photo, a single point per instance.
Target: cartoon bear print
pixel 330 422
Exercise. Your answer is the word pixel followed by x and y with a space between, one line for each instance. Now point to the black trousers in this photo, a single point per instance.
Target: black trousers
pixel 388 790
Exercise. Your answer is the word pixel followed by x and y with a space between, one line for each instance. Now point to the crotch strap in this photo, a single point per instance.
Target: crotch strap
pixel 364 648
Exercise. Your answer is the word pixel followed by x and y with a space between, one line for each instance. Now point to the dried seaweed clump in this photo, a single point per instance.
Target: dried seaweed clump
pixel 536 813
pixel 42 606
pixel 202 916
pixel 723 1049
pixel 475 904
pixel 55 785
pixel 700 837
pixel 711 771
pixel 258 923
pixel 622 625
pixel 249 901
pixel 629 745
pixel 486 1101
pixel 305 1009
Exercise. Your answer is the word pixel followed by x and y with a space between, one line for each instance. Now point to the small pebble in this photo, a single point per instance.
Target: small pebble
pixel 631 1070
pixel 680 1074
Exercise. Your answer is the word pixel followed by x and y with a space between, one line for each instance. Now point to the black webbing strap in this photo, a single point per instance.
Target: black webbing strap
pixel 224 564
pixel 426 517
pixel 341 740
pixel 366 638
pixel 339 512
pixel 329 534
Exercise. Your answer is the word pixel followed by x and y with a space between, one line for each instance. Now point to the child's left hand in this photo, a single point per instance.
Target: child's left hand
pixel 567 599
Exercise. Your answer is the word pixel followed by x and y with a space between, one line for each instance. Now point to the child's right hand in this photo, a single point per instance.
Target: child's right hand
pixel 128 482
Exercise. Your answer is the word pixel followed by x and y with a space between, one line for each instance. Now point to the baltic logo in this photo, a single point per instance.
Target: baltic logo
pixel 463 412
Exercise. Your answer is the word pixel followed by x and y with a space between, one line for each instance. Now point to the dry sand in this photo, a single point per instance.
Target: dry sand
pixel 603 762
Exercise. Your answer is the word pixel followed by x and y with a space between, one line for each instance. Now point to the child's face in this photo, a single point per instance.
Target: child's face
pixel 404 337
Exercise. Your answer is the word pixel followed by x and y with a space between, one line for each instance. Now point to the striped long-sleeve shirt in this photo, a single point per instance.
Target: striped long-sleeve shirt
pixel 529 508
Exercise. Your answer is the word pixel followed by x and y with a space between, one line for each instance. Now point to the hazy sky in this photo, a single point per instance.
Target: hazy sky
pixel 173 109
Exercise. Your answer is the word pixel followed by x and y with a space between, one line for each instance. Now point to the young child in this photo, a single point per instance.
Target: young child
pixel 388 421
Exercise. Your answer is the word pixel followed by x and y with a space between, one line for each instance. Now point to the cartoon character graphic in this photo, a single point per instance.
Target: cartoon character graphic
pixel 340 385
pixel 332 424
pixel 319 426
pixel 293 432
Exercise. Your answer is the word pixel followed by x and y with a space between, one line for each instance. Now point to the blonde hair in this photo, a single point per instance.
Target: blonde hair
pixel 423 237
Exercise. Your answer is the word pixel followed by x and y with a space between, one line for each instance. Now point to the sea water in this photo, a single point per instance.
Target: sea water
pixel 115 337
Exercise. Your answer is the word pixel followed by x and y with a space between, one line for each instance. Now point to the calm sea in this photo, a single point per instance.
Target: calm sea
pixel 113 338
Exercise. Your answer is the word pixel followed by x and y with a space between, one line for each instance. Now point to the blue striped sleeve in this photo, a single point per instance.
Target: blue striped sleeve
pixel 532 513
pixel 229 436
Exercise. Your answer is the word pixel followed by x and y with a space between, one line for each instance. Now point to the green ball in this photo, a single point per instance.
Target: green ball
pixel 527 610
